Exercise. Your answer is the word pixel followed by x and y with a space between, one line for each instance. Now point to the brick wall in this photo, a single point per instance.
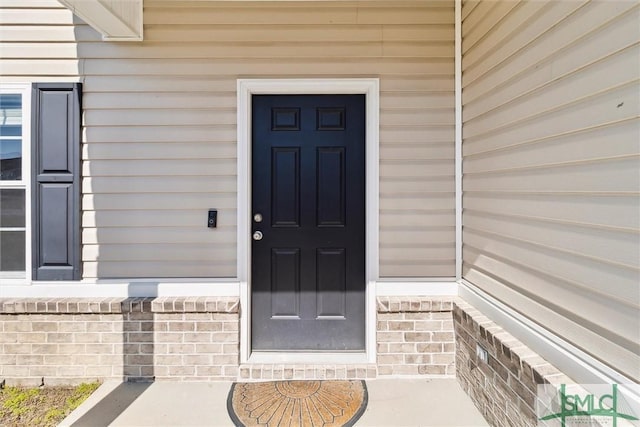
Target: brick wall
pixel 67 341
pixel 504 389
pixel 73 340
pixel 62 348
pixel 415 336
pixel 197 346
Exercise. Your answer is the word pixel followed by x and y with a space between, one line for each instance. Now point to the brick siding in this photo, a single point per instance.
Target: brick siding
pixel 67 341
pixel 504 389
pixel 415 336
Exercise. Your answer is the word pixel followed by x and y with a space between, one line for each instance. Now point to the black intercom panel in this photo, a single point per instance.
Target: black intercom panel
pixel 212 219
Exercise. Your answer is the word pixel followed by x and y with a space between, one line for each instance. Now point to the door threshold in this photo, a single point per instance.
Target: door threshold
pixel 319 358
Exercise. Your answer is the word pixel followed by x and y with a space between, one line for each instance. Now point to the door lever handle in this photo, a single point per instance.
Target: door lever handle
pixel 257 235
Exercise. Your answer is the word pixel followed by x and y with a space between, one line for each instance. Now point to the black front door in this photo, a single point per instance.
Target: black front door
pixel 308 222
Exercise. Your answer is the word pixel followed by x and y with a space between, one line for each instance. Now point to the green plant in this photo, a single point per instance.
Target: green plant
pixel 53 415
pixel 43 407
pixel 80 394
pixel 18 400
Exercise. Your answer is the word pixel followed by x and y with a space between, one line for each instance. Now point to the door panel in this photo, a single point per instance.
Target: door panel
pixel 285 187
pixel 285 282
pixel 331 285
pixel 331 187
pixel 308 185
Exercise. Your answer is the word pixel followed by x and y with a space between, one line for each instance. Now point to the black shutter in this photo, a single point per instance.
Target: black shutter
pixel 55 190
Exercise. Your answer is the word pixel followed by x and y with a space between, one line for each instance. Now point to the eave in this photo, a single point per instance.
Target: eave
pixel 116 20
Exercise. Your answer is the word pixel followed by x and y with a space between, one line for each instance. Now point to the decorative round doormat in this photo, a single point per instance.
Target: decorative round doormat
pixel 297 403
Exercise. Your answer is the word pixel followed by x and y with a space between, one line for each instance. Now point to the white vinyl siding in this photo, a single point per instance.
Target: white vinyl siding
pixel 38 42
pixel 551 159
pixel 160 127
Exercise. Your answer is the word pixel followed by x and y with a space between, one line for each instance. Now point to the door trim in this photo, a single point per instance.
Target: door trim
pixel 370 87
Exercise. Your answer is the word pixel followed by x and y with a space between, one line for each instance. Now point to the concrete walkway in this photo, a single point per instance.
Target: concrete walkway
pixel 393 403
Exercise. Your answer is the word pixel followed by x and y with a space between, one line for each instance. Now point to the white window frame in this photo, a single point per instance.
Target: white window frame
pixel 24 89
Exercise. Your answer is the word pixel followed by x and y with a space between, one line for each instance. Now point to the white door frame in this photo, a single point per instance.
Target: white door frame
pixel 370 87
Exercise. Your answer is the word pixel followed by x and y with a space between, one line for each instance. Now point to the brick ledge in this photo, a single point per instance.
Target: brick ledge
pixel 275 371
pixel 415 304
pixel 119 305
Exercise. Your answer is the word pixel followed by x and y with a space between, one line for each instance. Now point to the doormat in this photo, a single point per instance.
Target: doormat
pixel 297 403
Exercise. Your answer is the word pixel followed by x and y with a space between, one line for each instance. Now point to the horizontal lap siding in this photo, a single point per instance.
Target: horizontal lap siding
pixel 160 127
pixel 551 159
pixel 38 42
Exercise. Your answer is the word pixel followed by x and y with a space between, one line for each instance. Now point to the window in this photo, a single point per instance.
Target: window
pixel 15 248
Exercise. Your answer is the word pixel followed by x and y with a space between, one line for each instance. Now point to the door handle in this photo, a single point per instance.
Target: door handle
pixel 257 235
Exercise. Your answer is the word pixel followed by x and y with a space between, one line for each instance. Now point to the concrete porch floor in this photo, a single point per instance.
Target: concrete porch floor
pixel 392 402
